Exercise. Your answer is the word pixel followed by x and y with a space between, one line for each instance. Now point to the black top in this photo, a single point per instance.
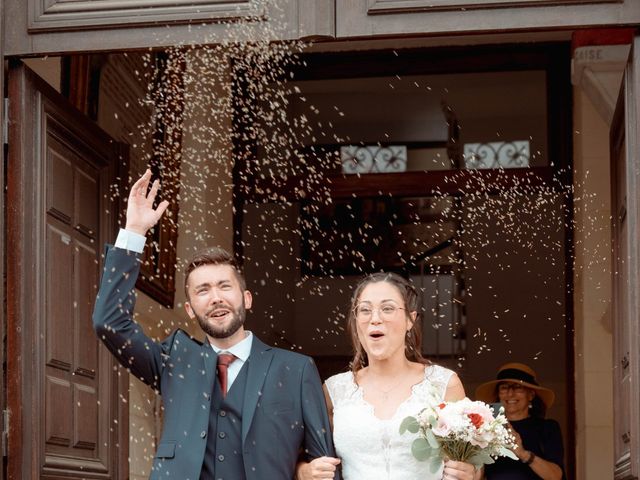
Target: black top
pixel 540 436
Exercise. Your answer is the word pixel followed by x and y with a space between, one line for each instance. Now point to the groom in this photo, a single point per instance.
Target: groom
pixel 234 408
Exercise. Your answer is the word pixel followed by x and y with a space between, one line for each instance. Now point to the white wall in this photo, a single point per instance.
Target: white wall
pixel 592 297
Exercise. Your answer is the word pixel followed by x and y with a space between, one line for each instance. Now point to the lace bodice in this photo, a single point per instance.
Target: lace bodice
pixel 373 448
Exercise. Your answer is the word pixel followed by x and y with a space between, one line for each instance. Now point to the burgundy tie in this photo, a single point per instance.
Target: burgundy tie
pixel 224 360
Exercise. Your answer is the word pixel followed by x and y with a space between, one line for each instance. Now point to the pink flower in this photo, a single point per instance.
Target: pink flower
pixel 482 439
pixel 442 428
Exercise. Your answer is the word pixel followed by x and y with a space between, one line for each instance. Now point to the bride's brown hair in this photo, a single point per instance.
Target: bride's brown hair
pixel 413 339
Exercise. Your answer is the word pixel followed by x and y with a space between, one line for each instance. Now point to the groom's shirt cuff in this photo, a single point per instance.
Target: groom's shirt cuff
pixel 131 241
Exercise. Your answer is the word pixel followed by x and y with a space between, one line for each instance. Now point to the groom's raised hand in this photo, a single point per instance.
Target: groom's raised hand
pixel 141 216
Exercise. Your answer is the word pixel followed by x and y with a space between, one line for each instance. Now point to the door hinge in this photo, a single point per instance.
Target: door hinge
pixel 5 432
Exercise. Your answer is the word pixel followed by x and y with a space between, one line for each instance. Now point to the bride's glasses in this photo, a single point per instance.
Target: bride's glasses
pixel 387 311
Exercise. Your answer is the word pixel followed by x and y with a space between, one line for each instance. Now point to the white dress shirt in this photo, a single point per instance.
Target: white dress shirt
pixel 128 240
pixel 241 350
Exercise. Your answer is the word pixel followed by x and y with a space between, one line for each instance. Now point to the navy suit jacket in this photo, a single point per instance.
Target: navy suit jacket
pixel 283 412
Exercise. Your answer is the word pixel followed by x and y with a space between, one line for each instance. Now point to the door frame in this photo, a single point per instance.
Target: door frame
pixel 3 259
pixel 625 141
pixel 23 283
pixel 3 234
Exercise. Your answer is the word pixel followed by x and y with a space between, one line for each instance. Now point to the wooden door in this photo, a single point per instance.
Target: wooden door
pixel 67 400
pixel 625 202
pixel 355 18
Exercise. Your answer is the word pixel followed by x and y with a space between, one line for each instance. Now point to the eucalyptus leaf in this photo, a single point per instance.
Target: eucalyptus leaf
pixel 431 438
pixel 481 458
pixel 420 449
pixel 485 457
pixel 505 452
pixel 475 461
pixel 409 424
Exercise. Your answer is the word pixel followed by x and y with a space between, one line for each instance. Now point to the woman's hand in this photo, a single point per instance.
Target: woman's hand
pixel 321 468
pixel 543 468
pixel 458 470
pixel 519 450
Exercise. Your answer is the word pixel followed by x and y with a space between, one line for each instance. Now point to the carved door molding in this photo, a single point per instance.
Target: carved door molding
pixel 399 6
pixel 68 14
pixel 55 26
pixel 357 18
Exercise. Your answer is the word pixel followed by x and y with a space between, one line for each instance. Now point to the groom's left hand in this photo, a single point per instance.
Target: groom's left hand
pixel 458 470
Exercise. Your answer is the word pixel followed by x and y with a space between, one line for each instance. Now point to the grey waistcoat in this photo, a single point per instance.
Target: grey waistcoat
pixel 223 456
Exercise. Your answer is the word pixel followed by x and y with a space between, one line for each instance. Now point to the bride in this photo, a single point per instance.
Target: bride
pixel 389 380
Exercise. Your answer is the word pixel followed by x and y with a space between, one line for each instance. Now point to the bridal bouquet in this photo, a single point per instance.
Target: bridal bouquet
pixel 465 431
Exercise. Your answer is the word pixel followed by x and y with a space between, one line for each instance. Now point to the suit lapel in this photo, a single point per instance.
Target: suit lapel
pixel 209 365
pixel 257 367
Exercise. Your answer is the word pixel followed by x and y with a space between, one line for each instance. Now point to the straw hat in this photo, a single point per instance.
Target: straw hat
pixel 516 373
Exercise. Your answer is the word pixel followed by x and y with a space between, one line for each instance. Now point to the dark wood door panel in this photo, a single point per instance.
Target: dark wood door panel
pixel 86 361
pixel 87 213
pixel 57 424
pixel 59 198
pixel 65 387
pixel 59 298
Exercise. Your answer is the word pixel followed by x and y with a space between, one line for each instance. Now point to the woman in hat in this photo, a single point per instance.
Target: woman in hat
pixel 538 440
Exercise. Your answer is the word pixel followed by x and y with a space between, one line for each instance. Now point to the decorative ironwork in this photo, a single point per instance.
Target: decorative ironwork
pixel 514 154
pixel 373 159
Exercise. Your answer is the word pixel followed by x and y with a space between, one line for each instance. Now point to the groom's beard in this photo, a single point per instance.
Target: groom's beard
pixel 223 331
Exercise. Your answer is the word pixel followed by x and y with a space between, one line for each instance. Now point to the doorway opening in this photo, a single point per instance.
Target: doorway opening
pixel 450 167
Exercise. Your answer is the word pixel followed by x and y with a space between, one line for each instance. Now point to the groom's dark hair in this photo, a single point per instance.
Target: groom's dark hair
pixel 213 256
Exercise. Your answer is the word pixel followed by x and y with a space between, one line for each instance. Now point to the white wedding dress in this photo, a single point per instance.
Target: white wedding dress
pixel 371 448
